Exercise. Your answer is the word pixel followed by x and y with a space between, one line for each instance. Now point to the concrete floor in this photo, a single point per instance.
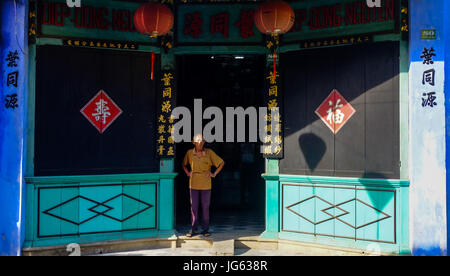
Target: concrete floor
pixel 236 235
pixel 240 244
pixel 205 252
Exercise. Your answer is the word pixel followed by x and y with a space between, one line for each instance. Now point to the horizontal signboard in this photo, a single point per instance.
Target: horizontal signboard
pixel 233 23
pixel 95 20
pixel 220 23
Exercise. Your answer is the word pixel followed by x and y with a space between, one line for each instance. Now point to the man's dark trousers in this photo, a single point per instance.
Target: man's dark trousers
pixel 203 198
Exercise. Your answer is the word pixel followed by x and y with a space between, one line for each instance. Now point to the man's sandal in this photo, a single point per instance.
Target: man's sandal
pixel 191 234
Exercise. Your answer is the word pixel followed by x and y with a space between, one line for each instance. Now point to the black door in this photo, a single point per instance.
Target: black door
pixel 368 144
pixel 66 143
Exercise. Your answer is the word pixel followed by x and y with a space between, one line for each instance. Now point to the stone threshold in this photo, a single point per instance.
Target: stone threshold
pixel 220 244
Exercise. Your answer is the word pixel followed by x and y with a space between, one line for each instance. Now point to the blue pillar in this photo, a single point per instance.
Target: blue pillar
pixel 428 167
pixel 13 92
pixel 446 17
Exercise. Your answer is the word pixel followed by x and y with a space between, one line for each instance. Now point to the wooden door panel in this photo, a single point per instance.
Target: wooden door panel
pixel 368 144
pixel 66 143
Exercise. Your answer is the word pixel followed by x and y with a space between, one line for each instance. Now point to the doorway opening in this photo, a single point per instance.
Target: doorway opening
pixel 238 192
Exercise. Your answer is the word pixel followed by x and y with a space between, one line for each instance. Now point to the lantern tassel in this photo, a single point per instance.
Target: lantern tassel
pixel 153 63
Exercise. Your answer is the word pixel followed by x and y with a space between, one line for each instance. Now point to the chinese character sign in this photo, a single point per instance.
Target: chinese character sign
pixel 426 82
pixel 273 145
pixel 101 111
pixel 165 144
pixel 229 23
pixel 335 111
pixel 11 100
pixel 428 78
pixel 233 22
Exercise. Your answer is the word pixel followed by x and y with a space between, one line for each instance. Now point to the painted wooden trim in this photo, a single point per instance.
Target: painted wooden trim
pixel 166 204
pixel 404 109
pixel 219 49
pixel 290 47
pixel 272 208
pixel 116 178
pixel 336 180
pixel 31 107
pixel 41 41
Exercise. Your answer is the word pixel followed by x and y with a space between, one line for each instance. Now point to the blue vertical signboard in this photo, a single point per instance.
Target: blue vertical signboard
pixel 428 193
pixel 13 76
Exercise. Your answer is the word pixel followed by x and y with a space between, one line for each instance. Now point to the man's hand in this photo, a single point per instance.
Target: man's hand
pixel 189 174
pixel 210 174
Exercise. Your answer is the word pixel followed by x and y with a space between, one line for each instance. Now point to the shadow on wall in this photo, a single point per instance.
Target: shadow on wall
pixel 313 148
pixel 379 199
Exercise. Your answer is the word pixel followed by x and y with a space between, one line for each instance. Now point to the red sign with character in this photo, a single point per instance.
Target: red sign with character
pixel 335 111
pixel 101 111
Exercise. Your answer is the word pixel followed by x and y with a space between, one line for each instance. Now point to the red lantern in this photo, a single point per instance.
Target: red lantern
pixel 153 19
pixel 274 18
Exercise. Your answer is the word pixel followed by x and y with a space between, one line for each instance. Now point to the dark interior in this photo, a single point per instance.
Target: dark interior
pixel 224 81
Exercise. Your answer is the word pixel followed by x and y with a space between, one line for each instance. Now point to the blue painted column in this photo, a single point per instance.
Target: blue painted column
pixel 428 173
pixel 446 17
pixel 13 95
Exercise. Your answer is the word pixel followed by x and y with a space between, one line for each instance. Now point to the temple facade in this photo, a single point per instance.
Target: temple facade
pixel 360 157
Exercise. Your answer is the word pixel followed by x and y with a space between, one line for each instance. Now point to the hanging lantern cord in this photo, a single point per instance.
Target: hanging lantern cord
pixel 154 35
pixel 275 64
pixel 153 63
pixel 274 55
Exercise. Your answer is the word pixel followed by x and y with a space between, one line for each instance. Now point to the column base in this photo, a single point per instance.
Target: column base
pixel 269 235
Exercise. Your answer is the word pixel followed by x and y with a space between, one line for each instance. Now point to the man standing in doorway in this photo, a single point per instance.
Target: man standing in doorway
pixel 200 161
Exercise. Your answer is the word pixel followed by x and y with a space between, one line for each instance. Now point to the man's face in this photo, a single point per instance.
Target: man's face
pixel 199 144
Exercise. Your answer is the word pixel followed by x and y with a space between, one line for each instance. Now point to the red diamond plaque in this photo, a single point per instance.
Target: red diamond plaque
pixel 101 111
pixel 335 111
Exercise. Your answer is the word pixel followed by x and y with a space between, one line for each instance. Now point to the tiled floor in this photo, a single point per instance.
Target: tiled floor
pixel 226 222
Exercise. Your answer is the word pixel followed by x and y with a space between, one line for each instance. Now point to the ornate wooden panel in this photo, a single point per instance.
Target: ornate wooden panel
pixel 93 209
pixel 338 211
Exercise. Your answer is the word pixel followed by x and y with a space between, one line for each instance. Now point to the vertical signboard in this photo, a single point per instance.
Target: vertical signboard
pixel 165 144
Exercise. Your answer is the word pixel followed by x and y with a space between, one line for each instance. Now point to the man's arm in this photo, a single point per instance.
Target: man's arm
pixel 188 173
pixel 210 174
pixel 219 168
pixel 185 162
